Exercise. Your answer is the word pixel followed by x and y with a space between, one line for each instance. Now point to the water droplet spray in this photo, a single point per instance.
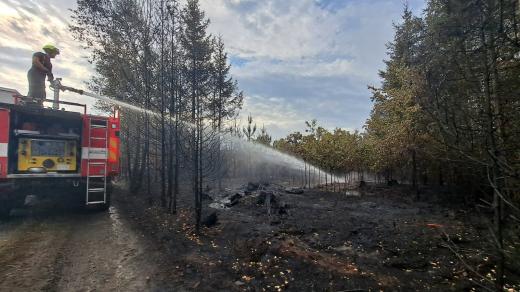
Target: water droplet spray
pixel 268 154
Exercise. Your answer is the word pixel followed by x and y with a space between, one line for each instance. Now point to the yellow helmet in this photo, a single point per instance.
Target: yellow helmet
pixel 51 48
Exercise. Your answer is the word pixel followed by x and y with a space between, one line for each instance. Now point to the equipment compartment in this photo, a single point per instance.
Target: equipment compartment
pixel 44 141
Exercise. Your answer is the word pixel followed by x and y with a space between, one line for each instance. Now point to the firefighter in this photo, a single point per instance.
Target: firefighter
pixel 41 68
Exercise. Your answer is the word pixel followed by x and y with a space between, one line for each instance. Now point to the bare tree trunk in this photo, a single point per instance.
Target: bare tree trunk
pixel 315 184
pixel 196 142
pixel 304 174
pixel 163 112
pixel 333 183
pixel 309 176
pixel 147 164
pixel 345 182
pixel 139 164
pixel 170 166
pixel 493 111
pixel 176 171
pixel 326 181
pixel 414 173
pixel 319 176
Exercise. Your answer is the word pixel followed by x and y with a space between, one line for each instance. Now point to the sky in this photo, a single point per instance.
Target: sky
pixel 295 60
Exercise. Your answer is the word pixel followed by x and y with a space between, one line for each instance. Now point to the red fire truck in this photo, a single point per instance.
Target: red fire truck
pixel 55 153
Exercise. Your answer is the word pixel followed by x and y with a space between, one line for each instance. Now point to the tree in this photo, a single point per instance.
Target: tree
pixel 250 130
pixel 119 31
pixel 264 138
pixel 396 122
pixel 197 46
pixel 472 81
pixel 157 55
pixel 226 99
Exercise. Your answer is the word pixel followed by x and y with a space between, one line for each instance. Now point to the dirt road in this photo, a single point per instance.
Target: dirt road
pixel 72 251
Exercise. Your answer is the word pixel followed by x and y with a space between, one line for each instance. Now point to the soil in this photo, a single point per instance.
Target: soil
pixel 56 249
pixel 378 238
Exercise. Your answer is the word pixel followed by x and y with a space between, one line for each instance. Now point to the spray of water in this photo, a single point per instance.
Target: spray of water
pixel 121 104
pixel 268 154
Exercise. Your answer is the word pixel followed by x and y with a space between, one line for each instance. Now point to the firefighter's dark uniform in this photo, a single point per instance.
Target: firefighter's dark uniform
pixel 36 76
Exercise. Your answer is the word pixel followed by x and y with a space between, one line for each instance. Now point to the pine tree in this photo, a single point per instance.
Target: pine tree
pixel 226 99
pixel 264 138
pixel 197 46
pixel 250 130
pixel 395 124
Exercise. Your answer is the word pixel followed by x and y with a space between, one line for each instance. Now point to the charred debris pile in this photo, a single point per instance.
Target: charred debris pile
pixel 261 196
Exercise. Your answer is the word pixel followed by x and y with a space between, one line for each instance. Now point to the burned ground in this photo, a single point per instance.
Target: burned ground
pixel 379 238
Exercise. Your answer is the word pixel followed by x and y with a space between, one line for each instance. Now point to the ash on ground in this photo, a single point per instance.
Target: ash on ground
pixel 267 237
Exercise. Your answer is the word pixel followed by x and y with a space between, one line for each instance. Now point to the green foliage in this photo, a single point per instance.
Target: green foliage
pixel 226 98
pixel 339 151
pixel 264 138
pixel 447 108
pixel 250 130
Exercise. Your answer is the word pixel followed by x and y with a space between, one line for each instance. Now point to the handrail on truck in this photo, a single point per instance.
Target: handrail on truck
pixel 19 98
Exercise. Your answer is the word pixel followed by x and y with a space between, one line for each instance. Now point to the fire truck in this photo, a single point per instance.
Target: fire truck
pixel 51 152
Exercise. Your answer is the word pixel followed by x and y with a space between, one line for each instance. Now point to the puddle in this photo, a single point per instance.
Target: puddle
pixel 353 193
pixel 218 206
pixel 117 225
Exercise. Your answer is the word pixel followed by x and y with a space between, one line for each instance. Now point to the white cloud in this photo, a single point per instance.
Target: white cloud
pixel 24 29
pixel 315 58
pixel 307 68
pixel 276 115
pixel 273 29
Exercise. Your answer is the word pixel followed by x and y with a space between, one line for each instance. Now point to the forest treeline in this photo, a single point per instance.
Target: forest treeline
pixel 446 113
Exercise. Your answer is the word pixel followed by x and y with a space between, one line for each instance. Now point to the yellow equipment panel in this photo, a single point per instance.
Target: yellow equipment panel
pixel 53 155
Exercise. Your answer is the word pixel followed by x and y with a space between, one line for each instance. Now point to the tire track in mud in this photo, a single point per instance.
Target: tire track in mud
pixel 74 252
pixel 29 254
pixel 58 265
pixel 105 255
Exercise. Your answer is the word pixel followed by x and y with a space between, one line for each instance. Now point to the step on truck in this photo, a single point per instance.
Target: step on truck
pixel 55 153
